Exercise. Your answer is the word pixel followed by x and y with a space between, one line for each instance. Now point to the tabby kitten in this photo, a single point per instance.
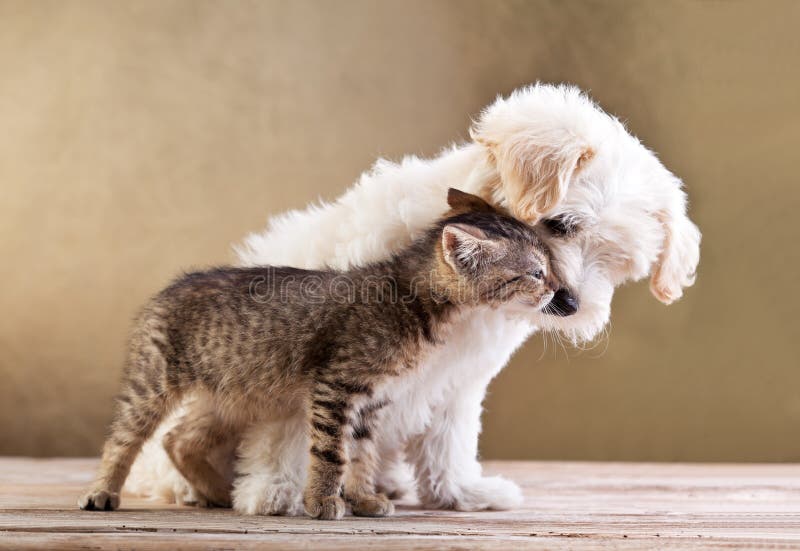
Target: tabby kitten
pixel 261 342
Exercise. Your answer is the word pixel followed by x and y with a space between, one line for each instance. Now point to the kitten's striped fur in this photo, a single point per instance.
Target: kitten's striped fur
pixel 330 342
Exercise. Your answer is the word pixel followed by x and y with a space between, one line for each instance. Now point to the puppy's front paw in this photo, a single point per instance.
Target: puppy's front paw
pixel 396 481
pixel 375 505
pixel 267 497
pixel 326 508
pixel 491 492
pixel 99 500
pixel 183 493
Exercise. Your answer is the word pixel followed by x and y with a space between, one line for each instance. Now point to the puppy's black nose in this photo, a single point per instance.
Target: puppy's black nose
pixel 563 303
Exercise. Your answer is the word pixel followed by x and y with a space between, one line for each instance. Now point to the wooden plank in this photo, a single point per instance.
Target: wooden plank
pixel 568 505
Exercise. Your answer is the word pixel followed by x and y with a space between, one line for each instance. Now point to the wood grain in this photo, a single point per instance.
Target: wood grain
pixel 568 506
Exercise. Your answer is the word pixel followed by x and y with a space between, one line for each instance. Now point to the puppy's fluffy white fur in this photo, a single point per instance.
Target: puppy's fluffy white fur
pixel 543 152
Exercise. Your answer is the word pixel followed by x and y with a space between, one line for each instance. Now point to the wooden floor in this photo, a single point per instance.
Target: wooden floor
pixel 568 506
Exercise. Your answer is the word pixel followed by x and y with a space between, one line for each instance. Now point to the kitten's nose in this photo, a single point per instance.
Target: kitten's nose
pixel 563 303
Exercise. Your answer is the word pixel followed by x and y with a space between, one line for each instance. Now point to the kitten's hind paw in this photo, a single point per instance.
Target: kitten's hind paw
pixel 327 508
pixel 376 505
pixel 202 502
pixel 99 500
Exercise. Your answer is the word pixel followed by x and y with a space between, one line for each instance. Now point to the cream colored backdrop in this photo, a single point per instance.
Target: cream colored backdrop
pixel 141 138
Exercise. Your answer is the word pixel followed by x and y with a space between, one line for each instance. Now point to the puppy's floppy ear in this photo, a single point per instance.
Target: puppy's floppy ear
pixel 535 162
pixel 465 247
pixel 461 201
pixel 680 252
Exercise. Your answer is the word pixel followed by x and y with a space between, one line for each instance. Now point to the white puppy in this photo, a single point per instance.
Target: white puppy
pixel 608 209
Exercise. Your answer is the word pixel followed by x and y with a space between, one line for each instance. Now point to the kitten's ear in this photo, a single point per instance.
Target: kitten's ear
pixel 461 201
pixel 466 247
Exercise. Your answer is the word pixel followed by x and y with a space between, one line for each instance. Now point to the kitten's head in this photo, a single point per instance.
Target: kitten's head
pixel 491 258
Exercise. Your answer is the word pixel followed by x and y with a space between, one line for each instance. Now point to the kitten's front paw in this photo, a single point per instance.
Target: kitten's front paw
pixel 98 500
pixel 326 508
pixel 375 505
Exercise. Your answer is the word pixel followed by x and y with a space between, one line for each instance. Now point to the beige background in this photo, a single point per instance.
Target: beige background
pixel 140 138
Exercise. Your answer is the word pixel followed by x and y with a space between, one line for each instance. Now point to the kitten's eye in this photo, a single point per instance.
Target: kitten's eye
pixel 560 226
pixel 538 274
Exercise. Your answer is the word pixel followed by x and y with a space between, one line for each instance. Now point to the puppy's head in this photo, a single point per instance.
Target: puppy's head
pixel 608 209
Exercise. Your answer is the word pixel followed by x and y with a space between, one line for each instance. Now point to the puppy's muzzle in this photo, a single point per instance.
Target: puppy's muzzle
pixel 563 303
